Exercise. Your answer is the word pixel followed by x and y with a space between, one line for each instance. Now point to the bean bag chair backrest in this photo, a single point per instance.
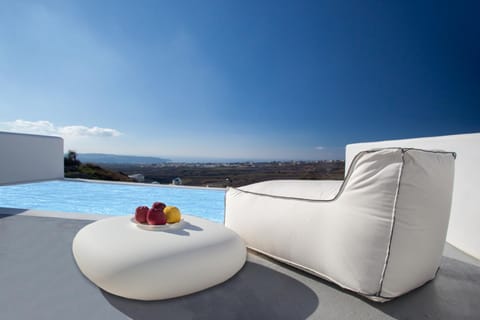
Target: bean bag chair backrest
pixel 412 189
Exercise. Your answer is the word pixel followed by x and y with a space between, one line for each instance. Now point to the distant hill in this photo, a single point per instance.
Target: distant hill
pixel 117 159
pixel 95 172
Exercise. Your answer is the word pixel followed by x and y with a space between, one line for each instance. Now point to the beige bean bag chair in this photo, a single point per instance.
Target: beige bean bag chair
pixel 380 233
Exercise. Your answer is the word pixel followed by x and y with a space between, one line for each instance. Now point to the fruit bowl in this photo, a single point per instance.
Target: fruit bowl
pixel 168 226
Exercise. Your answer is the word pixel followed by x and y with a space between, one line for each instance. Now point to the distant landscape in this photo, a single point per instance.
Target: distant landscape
pixel 145 169
pixel 114 158
pixel 232 174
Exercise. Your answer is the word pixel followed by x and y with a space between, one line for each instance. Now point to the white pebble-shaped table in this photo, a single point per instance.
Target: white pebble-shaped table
pixel 129 261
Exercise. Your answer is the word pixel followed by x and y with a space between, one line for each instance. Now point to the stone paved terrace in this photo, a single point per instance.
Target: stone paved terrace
pixel 40 280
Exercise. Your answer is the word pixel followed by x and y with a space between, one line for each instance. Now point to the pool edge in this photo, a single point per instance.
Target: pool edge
pixel 53 214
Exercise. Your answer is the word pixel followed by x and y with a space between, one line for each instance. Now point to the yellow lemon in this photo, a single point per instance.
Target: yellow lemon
pixel 173 214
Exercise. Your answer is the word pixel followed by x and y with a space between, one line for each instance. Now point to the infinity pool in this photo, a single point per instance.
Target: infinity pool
pixel 111 198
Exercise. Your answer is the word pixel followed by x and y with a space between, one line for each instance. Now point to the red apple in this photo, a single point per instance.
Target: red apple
pixel 156 216
pixel 141 214
pixel 158 205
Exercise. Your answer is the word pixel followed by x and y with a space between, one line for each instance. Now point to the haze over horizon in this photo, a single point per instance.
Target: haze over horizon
pixel 246 80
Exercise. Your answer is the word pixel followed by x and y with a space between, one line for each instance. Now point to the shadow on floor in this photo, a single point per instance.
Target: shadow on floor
pixel 448 296
pixel 256 292
pixel 453 294
pixel 6 212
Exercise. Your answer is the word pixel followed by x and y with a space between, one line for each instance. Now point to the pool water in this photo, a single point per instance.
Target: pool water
pixel 111 198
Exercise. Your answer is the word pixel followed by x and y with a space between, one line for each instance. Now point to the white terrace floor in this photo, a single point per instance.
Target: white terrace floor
pixel 39 280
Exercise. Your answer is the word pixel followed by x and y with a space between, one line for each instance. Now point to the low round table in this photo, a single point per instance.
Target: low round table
pixel 129 261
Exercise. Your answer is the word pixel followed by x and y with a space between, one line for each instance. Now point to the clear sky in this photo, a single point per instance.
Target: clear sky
pixel 238 79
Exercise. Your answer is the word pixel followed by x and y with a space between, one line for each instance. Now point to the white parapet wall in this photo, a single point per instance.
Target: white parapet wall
pixel 30 158
pixel 463 229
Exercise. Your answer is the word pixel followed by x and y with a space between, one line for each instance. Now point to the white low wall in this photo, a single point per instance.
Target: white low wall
pixel 30 158
pixel 463 229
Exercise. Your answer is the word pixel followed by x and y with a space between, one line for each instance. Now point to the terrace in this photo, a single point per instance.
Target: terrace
pixel 40 279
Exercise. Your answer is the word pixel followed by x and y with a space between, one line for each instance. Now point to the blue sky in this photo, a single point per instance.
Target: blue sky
pixel 238 79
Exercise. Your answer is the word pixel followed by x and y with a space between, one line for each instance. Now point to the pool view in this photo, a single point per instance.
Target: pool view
pixel 111 198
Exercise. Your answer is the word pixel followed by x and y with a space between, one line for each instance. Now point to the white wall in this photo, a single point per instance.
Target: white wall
pixel 29 158
pixel 464 226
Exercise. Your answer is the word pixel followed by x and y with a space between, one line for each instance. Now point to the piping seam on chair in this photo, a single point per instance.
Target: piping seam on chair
pixel 347 177
pixel 340 191
pixel 394 212
pixel 311 271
